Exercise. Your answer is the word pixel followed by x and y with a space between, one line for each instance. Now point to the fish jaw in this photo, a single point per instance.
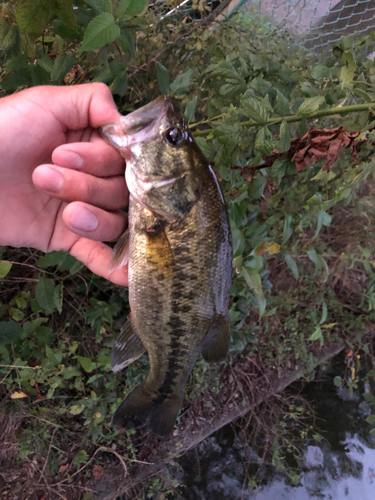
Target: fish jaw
pixel 137 126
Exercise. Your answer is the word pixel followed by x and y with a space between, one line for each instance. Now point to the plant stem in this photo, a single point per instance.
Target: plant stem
pixel 295 118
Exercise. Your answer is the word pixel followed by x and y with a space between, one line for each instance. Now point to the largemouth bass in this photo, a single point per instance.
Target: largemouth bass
pixel 179 250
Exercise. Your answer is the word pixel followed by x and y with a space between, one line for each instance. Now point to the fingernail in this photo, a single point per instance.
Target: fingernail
pixel 84 220
pixel 70 159
pixel 49 179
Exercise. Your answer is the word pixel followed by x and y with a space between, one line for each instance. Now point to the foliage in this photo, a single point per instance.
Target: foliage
pixel 303 241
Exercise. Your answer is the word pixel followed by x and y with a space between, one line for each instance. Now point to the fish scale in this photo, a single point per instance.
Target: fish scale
pixel 180 258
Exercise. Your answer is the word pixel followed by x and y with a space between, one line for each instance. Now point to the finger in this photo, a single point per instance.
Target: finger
pixel 96 256
pixel 95 157
pixel 94 223
pixel 81 106
pixel 110 193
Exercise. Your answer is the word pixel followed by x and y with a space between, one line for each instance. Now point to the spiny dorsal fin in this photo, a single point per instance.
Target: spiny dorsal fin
pixel 120 255
pixel 128 347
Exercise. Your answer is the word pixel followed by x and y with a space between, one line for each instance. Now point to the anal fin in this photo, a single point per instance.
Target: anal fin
pixel 216 344
pixel 127 348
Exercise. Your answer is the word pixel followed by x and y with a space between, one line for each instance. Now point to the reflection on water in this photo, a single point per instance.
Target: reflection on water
pixel 344 475
pixel 342 467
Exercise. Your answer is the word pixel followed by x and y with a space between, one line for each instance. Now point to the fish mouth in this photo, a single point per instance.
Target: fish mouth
pixel 138 125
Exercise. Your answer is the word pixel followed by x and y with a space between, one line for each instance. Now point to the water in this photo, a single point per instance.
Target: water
pixel 341 467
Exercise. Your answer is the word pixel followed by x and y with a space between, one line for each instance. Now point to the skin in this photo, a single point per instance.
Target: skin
pixel 61 186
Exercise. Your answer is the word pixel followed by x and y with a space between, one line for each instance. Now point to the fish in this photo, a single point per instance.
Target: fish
pixel 178 247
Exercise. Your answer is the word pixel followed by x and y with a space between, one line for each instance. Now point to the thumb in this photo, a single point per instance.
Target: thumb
pixel 80 106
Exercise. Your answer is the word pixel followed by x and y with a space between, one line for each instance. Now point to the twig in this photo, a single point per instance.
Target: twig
pixel 47 457
pixel 90 65
pixel 101 448
pixel 296 118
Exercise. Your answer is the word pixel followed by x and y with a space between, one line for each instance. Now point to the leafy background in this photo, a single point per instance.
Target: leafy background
pixel 303 272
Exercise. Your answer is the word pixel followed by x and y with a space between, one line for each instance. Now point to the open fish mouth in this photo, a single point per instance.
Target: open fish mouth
pixel 136 126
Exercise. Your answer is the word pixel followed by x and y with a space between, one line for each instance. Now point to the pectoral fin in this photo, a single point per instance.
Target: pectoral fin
pixel 216 344
pixel 120 255
pixel 128 347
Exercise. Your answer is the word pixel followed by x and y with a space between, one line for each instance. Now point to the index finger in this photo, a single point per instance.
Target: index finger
pixel 95 157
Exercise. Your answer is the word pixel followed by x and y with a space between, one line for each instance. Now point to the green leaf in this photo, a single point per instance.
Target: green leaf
pixel 63 10
pixel 63 64
pixel 51 259
pixel 311 105
pixel 323 219
pixel 337 381
pixel 10 331
pixel 284 142
pixel 181 84
pixel 19 62
pixel 16 314
pixel 46 62
pixel 32 15
pixel 320 72
pixel 5 267
pixel 324 313
pixel 262 303
pixel 256 109
pixel 316 335
pixel 292 265
pixel 86 364
pixel 252 279
pixel 163 78
pixel 132 8
pixel 119 85
pixel 348 69
pixel 81 456
pixel 100 31
pixel 371 419
pixel 100 5
pixel 264 142
pixel 288 230
pixel 256 187
pixel 278 169
pixel 190 109
pixel 48 296
pixel 282 104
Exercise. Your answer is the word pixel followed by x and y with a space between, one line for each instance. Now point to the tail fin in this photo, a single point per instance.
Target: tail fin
pixel 143 407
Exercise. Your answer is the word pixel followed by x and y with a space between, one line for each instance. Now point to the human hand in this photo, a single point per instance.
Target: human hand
pixel 61 186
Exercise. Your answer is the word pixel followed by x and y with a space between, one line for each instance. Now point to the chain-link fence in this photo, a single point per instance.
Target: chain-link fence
pixel 317 23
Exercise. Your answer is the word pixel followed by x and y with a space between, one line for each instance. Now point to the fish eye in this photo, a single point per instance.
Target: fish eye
pixel 174 136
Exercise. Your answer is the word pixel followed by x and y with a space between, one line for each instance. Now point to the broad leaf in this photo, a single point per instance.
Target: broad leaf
pixel 292 265
pixel 348 69
pixel 10 331
pixel 100 31
pixel 5 267
pixel 311 105
pixel 100 5
pixel 181 84
pixel 287 231
pixel 190 109
pixel 132 8
pixel 86 364
pixel 163 78
pixel 48 296
pixel 284 142
pixel 51 259
pixel 264 142
pixel 33 15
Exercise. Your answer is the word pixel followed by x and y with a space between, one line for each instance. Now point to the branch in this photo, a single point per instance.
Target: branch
pixel 338 110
